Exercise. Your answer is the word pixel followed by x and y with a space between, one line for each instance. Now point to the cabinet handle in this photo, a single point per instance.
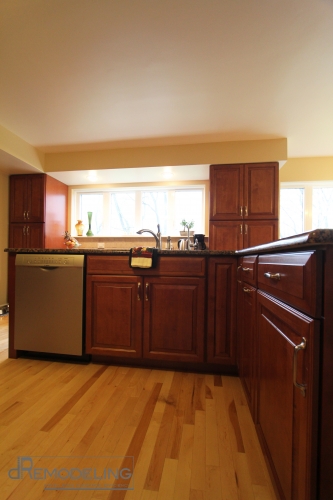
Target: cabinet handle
pixel 147 291
pixel 24 230
pixel 246 290
pixel 24 215
pixel 139 291
pixel 241 211
pixel 27 214
pixel 246 213
pixel 27 230
pixel 299 347
pixel 272 276
pixel 246 269
pixel 241 228
pixel 245 228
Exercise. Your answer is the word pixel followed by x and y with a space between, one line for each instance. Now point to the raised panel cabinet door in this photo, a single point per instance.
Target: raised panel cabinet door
pixel 226 192
pixel 17 235
pixel 17 198
pixel 258 232
pixel 247 343
pixel 261 191
pixel 35 198
pixel 114 316
pixel 174 319
pixel 35 235
pixel 226 235
pixel 288 358
pixel 221 311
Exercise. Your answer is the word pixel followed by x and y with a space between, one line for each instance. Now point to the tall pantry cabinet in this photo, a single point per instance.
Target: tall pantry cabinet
pixel 244 204
pixel 37 211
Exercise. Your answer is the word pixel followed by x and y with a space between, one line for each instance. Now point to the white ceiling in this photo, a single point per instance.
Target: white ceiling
pixel 85 74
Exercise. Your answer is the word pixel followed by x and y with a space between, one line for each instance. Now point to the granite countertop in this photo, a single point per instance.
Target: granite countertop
pixel 316 237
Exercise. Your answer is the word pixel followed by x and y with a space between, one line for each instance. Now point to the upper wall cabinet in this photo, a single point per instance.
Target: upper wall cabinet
pixel 27 201
pixel 37 211
pixel 244 191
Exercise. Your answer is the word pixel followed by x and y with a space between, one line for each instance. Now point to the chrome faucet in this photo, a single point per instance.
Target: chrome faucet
pixel 157 236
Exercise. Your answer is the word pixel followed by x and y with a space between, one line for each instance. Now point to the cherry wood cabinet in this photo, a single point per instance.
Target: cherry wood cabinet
pixel 246 329
pixel 37 211
pixel 244 191
pixel 114 315
pixel 288 367
pixel 244 204
pixel 27 235
pixel 230 235
pixel 151 313
pixel 174 318
pixel 221 311
pixel 27 200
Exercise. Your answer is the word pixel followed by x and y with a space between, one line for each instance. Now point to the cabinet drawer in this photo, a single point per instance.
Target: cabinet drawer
pixel 166 266
pixel 294 278
pixel 247 270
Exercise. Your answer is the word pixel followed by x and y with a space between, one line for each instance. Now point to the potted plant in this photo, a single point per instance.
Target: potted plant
pixel 186 227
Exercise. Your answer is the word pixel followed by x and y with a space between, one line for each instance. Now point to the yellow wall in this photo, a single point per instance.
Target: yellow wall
pixel 185 154
pixel 307 169
pixel 4 196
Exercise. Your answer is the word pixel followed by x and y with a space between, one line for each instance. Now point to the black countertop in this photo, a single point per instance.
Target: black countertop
pixel 317 237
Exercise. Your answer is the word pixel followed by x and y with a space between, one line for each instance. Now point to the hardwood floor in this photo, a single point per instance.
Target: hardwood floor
pixel 4 336
pixel 191 435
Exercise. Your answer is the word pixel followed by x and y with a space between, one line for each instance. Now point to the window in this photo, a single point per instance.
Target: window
pixel 122 211
pixel 305 206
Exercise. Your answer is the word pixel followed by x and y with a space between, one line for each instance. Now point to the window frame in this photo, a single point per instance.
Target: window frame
pixel 308 187
pixel 139 187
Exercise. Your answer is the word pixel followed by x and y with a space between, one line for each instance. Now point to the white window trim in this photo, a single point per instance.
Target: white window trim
pixel 308 187
pixel 171 187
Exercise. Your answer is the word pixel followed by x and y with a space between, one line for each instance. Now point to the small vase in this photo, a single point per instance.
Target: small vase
pixel 79 228
pixel 89 232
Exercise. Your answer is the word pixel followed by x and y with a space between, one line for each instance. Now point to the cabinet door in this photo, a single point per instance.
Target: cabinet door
pixel 246 326
pixel 27 198
pixel 261 191
pixel 35 198
pixel 18 198
pixel 221 307
pixel 35 235
pixel 259 231
pixel 114 315
pixel 288 355
pixel 225 235
pixel 26 235
pixel 226 192
pixel 174 319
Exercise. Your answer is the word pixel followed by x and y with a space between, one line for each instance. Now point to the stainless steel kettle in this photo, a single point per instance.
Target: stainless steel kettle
pixel 184 244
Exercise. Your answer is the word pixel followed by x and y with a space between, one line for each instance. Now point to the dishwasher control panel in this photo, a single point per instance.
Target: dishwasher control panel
pixel 46 260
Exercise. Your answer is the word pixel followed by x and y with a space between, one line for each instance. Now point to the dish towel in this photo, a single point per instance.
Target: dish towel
pixel 143 257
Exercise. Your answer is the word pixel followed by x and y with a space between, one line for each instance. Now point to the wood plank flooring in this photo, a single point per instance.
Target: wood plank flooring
pixel 191 435
pixel 4 332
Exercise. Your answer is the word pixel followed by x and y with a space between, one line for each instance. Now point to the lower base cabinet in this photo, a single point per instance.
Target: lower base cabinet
pixel 173 325
pixel 247 344
pixel 114 316
pixel 142 315
pixel 287 395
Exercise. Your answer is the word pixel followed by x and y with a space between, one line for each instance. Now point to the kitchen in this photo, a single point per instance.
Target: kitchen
pixel 170 146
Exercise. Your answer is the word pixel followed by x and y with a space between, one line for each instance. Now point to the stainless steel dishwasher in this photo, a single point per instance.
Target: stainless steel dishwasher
pixel 49 303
